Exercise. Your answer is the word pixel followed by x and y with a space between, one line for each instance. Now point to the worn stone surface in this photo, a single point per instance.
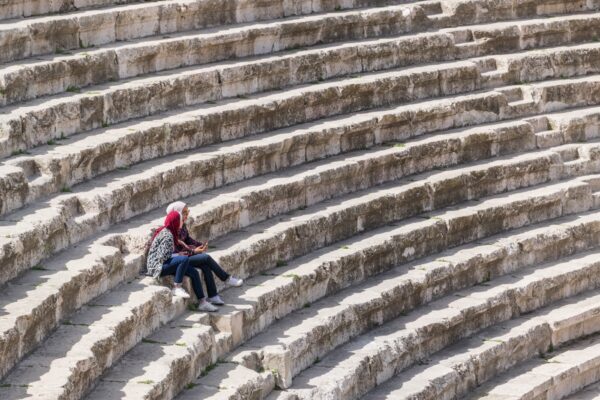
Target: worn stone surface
pixel 95 66
pixel 409 188
pixel 87 28
pixel 69 162
pixel 311 334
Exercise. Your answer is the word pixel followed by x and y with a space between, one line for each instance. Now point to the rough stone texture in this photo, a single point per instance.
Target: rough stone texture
pixel 312 334
pixel 555 376
pixel 43 35
pixel 96 66
pixel 409 188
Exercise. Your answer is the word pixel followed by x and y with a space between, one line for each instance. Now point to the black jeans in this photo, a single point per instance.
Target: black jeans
pixel 180 266
pixel 208 266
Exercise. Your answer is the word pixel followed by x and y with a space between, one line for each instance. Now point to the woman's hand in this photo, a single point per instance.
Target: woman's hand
pixel 201 249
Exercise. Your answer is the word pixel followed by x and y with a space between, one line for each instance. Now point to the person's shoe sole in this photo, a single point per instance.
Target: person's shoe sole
pixel 206 310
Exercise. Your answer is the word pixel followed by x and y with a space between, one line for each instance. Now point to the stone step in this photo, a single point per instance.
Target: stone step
pixel 35 36
pixel 26 8
pixel 236 258
pixel 61 116
pixel 456 371
pixel 45 120
pixel 276 243
pixel 65 291
pixel 299 340
pixel 38 231
pixel 99 264
pixel 55 74
pixel 49 169
pixel 208 221
pixel 31 177
pixel 237 206
pixel 373 358
pixel 554 376
pixel 232 381
pixel 34 304
pixel 123 194
pixel 165 362
pixel 103 350
pixel 38 122
pixel 591 392
pixel 273 296
pixel 44 34
pixel 91 340
pixel 40 35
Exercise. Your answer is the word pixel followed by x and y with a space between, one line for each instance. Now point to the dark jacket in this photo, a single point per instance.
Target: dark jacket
pixel 185 237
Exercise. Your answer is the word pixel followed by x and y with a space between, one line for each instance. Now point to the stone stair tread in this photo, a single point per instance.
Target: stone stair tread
pixel 237 307
pixel 97 324
pixel 156 20
pixel 296 326
pixel 54 99
pixel 227 105
pixel 119 180
pixel 137 5
pixel 226 379
pixel 46 63
pixel 129 128
pixel 546 374
pixel 6 24
pixel 114 86
pixel 111 137
pixel 53 269
pixel 239 142
pixel 443 366
pixel 28 10
pixel 154 79
pixel 269 227
pixel 335 197
pixel 444 312
pixel 252 282
pixel 591 392
pixel 151 362
pixel 74 147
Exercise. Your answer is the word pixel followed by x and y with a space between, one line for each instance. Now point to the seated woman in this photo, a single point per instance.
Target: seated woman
pixel 199 259
pixel 163 261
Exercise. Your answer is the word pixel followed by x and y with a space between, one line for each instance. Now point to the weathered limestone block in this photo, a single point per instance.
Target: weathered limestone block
pixel 89 342
pixel 177 353
pixel 380 354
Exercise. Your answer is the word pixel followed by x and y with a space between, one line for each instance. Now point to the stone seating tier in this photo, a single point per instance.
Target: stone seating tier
pixel 410 189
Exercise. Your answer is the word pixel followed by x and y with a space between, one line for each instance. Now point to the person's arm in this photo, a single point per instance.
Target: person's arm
pixel 190 241
pixel 182 246
pixel 160 251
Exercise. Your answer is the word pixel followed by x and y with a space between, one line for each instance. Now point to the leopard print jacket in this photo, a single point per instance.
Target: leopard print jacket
pixel 160 251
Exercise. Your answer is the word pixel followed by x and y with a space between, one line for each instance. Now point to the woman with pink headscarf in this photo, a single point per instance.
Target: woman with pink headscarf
pixel 162 261
pixel 199 258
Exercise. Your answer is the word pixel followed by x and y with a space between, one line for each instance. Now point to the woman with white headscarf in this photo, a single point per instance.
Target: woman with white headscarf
pixel 198 257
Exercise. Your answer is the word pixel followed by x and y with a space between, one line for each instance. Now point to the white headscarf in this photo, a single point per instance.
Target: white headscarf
pixel 176 206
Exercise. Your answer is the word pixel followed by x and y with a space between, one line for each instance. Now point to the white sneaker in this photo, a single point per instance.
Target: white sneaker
pixel 216 300
pixel 234 281
pixel 206 306
pixel 180 292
